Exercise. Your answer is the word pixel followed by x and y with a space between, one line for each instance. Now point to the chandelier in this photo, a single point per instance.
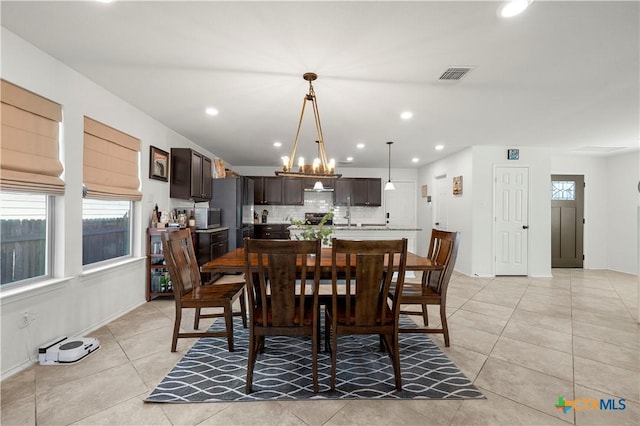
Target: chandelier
pixel 320 167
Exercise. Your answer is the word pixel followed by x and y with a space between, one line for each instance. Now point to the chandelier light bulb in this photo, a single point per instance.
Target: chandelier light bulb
pixel 320 166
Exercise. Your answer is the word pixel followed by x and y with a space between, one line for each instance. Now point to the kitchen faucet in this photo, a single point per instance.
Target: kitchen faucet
pixel 348 216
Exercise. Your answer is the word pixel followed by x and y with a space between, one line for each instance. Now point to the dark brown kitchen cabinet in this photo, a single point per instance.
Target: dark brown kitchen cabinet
pixel 190 175
pixel 366 192
pixel 276 231
pixel 210 245
pixel 293 191
pixel 342 190
pixel 267 190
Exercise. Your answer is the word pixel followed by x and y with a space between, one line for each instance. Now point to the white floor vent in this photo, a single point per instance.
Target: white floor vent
pixel 67 351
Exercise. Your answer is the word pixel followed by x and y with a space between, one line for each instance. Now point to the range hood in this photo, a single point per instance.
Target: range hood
pixel 318 190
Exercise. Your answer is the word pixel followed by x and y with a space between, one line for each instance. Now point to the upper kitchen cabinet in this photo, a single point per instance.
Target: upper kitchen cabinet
pixel 267 190
pixel 293 191
pixel 272 190
pixel 342 190
pixel 190 175
pixel 365 192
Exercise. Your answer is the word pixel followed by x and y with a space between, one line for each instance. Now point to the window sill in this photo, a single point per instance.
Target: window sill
pixel 109 266
pixel 22 292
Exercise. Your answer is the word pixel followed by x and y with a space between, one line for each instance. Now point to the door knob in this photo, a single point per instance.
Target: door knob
pixel 525 226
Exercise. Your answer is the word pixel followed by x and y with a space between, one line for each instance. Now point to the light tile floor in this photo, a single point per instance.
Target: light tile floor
pixel 523 341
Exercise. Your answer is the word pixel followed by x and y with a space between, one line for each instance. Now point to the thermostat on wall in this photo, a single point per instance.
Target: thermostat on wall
pixel 67 351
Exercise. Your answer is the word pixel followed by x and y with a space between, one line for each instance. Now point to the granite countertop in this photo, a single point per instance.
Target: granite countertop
pixel 364 228
pixel 222 228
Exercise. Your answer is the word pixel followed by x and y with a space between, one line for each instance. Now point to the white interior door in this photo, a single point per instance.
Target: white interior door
pixel 441 203
pixel 511 220
pixel 401 204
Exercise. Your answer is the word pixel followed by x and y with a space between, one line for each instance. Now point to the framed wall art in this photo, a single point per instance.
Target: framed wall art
pixel 457 185
pixel 158 164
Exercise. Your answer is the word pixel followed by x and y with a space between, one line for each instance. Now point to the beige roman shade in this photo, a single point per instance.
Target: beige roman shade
pixel 29 160
pixel 110 164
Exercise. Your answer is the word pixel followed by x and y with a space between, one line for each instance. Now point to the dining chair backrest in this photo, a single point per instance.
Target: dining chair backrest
pixel 443 249
pixel 278 274
pixel 181 261
pixel 368 280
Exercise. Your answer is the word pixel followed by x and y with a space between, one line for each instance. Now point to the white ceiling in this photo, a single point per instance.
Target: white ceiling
pixel 563 74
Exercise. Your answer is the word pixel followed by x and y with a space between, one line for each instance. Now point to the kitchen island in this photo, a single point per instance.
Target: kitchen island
pixel 368 232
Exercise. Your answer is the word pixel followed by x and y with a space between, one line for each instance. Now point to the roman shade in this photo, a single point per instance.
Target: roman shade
pixel 110 164
pixel 29 160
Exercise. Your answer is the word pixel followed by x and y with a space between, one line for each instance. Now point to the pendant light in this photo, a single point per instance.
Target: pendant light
pixel 321 167
pixel 389 186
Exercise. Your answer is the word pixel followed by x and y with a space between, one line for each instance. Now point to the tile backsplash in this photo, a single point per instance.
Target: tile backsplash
pixel 320 202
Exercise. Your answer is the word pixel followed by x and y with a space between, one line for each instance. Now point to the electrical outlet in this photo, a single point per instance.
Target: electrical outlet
pixel 26 319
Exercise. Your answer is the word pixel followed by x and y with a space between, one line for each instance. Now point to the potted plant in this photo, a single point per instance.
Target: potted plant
pixel 321 231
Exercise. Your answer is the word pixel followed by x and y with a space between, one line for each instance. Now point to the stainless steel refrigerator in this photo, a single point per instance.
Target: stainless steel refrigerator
pixel 234 197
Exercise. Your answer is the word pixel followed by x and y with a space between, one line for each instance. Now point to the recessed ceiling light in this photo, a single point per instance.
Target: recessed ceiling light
pixel 511 8
pixel 277 144
pixel 349 158
pixel 415 159
pixel 439 147
pixel 211 111
pixel 360 146
pixel 406 115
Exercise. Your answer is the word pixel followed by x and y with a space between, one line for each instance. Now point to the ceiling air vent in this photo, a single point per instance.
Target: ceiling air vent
pixel 455 73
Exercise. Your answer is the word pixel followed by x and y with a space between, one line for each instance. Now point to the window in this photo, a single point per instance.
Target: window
pixel 30 171
pixel 563 190
pixel 106 230
pixel 111 177
pixel 25 237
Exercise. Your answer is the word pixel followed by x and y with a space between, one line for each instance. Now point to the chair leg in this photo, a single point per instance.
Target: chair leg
pixel 395 350
pixel 251 359
pixel 196 320
pixel 445 326
pixel 176 329
pixel 228 319
pixel 425 315
pixel 327 333
pixel 391 342
pixel 243 309
pixel 314 357
pixel 334 358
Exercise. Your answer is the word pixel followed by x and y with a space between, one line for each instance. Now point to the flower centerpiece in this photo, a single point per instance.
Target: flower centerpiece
pixel 321 231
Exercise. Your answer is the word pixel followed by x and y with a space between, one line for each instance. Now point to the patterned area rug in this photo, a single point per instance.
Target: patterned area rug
pixel 210 373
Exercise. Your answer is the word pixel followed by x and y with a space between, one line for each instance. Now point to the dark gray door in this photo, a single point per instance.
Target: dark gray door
pixel 567 221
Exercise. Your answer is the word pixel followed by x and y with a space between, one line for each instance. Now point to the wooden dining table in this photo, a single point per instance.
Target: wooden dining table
pixel 233 262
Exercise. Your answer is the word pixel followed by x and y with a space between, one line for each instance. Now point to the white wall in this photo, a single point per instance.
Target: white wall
pixel 596 209
pixel 78 301
pixel 622 224
pixel 611 207
pixel 611 202
pixel 458 206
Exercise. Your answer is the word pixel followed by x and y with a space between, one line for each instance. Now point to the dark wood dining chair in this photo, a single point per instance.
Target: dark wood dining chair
pixel 432 290
pixel 364 307
pixel 281 301
pixel 189 293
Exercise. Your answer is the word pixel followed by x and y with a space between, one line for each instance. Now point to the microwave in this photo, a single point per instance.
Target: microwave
pixel 207 217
